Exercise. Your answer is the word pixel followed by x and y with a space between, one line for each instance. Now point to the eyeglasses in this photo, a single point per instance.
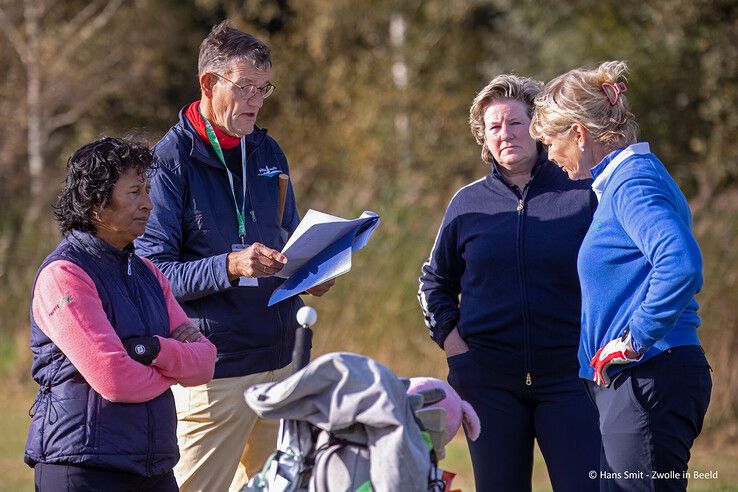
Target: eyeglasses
pixel 249 90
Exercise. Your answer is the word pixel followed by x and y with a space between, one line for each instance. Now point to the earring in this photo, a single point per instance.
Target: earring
pixel 581 147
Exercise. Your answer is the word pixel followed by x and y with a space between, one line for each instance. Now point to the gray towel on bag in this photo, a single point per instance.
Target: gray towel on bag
pixel 340 389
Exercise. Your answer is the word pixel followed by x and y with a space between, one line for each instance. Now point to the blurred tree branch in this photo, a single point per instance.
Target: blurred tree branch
pixel 81 28
pixel 39 64
pixel 59 99
pixel 70 66
pixel 14 36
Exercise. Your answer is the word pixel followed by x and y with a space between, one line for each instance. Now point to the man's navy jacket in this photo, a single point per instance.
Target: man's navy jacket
pixel 193 226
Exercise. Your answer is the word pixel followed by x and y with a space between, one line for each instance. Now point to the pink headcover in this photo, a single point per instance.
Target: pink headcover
pixel 458 411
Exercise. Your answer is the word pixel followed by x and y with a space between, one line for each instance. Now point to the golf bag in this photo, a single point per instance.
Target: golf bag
pixel 347 425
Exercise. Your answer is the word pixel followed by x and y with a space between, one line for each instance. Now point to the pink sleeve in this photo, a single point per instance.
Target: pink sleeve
pixel 190 364
pixel 68 309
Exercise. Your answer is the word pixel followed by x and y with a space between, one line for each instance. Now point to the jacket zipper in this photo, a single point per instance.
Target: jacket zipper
pixel 248 192
pixel 149 450
pixel 280 320
pixel 521 273
pixel 527 343
pixel 248 189
pixel 149 417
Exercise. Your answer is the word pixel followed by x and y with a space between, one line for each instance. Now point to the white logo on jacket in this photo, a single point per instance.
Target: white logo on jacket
pixel 269 171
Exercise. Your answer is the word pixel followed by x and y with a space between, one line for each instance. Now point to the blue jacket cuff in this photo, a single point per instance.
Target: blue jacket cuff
pixel 637 345
pixel 220 272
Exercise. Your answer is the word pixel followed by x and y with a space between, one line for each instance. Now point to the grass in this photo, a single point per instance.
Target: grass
pixel 458 461
pixel 16 475
pixel 708 455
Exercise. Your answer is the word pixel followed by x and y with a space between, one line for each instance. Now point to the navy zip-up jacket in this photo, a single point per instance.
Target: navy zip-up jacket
pixel 193 227
pixel 71 422
pixel 503 270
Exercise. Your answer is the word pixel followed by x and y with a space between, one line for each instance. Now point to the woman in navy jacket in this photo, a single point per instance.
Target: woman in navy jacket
pixel 501 296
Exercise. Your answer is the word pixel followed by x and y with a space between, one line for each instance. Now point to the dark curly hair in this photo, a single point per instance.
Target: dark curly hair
pixel 92 172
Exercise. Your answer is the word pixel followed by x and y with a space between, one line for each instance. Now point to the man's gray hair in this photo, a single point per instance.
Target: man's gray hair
pixel 225 45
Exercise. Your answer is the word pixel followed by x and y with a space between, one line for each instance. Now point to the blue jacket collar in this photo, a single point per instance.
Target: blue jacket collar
pixel 600 167
pixel 602 172
pixel 200 149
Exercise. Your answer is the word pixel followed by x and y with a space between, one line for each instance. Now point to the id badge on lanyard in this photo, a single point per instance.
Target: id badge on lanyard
pixel 240 214
pixel 244 281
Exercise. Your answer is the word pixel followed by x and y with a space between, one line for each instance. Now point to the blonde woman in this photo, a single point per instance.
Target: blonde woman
pixel 640 269
pixel 500 295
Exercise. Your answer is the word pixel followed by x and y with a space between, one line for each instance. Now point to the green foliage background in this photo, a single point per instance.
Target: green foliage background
pixel 336 112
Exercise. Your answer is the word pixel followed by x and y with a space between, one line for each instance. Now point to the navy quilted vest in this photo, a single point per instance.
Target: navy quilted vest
pixel 71 423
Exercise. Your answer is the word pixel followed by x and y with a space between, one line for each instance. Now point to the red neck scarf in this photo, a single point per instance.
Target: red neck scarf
pixel 196 120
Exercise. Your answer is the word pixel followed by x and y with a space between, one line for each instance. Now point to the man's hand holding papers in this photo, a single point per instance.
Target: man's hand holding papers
pixel 320 250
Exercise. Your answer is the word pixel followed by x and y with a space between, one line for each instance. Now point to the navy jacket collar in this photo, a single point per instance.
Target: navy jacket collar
pixel 99 248
pixel 542 157
pixel 200 150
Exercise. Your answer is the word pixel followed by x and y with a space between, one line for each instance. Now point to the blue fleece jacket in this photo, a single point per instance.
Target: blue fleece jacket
pixel 639 265
pixel 193 227
pixel 503 269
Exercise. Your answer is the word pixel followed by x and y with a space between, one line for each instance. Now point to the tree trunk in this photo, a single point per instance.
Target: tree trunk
pixel 36 162
pixel 400 78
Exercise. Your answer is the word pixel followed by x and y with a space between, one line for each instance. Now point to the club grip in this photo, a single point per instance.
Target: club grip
pixel 303 345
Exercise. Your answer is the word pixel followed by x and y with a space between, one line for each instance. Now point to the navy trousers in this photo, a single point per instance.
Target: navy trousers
pixel 649 417
pixel 554 410
pixel 72 478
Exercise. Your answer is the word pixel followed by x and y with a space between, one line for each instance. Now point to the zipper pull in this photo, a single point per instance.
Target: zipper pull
pixel 521 205
pixel 528 379
pixel 130 255
pixel 253 215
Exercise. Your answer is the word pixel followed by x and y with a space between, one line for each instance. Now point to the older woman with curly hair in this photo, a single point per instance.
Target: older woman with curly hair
pixel 107 336
pixel 640 269
pixel 500 295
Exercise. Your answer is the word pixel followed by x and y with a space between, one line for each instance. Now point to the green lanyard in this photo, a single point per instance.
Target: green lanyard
pixel 240 214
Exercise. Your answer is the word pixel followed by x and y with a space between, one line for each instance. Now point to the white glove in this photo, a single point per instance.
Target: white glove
pixel 618 351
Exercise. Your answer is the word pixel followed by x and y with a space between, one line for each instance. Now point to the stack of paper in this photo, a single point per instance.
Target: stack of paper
pixel 320 249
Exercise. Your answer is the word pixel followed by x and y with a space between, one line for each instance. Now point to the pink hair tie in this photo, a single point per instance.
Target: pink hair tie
pixel 613 90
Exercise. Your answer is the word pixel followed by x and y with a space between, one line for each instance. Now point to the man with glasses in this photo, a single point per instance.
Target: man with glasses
pixel 216 233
